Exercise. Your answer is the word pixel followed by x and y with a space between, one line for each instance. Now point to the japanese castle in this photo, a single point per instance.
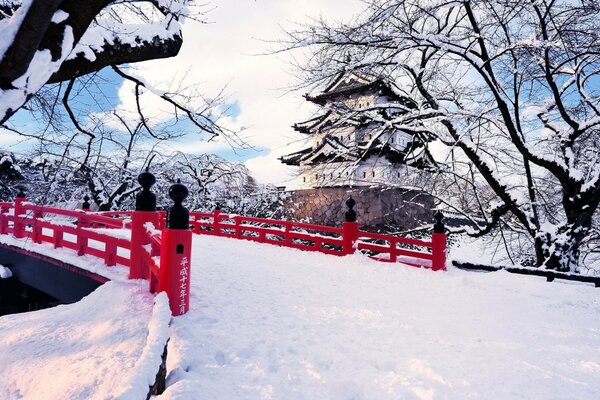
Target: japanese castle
pixel 351 144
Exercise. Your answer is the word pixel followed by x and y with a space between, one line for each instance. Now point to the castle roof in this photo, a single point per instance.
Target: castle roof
pixel 309 125
pixel 326 120
pixel 346 84
pixel 331 149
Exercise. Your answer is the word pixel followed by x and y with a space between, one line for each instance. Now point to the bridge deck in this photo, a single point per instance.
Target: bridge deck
pixel 107 345
pixel 276 323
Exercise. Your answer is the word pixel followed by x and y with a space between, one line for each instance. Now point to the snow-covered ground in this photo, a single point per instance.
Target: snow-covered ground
pixel 106 346
pixel 275 323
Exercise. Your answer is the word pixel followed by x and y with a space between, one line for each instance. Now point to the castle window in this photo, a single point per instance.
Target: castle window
pixel 398 174
pixel 392 139
pixel 364 174
pixel 303 179
pixel 316 176
pixel 340 175
pixel 373 174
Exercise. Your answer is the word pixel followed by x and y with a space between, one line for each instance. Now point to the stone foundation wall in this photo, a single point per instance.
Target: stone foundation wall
pixel 403 208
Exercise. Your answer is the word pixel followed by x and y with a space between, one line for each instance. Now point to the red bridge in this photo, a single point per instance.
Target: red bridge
pixel 156 245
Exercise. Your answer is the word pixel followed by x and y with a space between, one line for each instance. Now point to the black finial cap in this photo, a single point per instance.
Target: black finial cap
pixel 179 216
pixel 145 200
pixel 438 227
pixel 350 215
pixel 178 192
pixel 86 202
pixel 146 179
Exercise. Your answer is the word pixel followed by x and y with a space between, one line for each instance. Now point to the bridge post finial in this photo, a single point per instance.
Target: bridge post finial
pixel 438 227
pixel 145 200
pixel 350 214
pixel 438 243
pixel 86 203
pixel 145 212
pixel 178 216
pixel 21 194
pixel 19 225
pixel 349 228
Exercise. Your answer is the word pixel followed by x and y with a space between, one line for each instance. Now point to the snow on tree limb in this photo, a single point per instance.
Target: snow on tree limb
pixel 83 37
pixel 515 85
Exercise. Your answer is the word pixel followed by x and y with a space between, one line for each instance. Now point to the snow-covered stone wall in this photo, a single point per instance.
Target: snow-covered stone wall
pixel 375 206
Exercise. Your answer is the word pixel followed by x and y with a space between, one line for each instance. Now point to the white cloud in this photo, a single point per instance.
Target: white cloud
pixel 197 147
pixel 8 138
pixel 225 53
pixel 13 142
pixel 268 169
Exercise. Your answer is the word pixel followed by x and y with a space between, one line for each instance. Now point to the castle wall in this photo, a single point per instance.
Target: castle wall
pixel 403 208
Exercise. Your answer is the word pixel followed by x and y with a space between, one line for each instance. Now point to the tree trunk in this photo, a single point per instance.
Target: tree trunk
pixel 559 250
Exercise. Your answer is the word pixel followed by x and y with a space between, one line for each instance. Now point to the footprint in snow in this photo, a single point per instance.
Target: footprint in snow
pixel 220 358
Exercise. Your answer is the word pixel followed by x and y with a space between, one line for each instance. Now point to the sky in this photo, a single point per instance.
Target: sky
pixel 230 51
pixel 226 51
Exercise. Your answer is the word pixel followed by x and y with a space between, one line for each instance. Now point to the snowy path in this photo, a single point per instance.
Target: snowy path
pixel 274 323
pixel 98 348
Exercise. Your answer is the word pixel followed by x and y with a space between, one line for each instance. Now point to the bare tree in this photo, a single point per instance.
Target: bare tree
pixel 52 50
pixel 51 53
pixel 510 88
pixel 212 181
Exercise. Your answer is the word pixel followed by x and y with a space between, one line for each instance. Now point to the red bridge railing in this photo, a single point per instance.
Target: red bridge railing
pixel 325 239
pixel 162 256
pixel 157 247
pixel 66 228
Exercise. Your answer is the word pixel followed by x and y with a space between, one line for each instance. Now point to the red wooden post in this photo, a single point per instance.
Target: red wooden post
pixel 82 241
pixel 58 237
pixel 287 234
pixel 175 254
pixel 350 228
pixel 217 222
pixel 36 234
pixel 349 236
pixel 18 224
pixel 145 211
pixel 110 253
pixel 3 222
pixel 438 240
pixel 238 228
pixel 393 248
pixel 175 257
pixel 137 267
